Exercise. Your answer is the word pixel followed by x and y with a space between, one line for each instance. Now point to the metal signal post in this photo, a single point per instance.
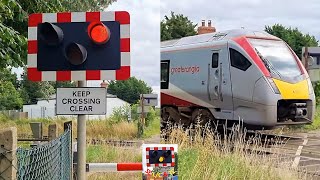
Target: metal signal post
pixel 81 145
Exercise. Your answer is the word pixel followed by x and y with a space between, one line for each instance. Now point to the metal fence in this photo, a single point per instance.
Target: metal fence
pixel 52 160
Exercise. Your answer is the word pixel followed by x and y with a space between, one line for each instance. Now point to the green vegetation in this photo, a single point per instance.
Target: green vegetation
pixel 9 97
pixel 152 129
pixel 111 154
pixel 176 26
pixel 314 126
pixel 115 127
pixel 105 153
pixel 129 90
pixel 216 158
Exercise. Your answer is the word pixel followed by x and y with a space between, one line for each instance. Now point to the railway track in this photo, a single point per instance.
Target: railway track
pixel 300 152
pixel 118 143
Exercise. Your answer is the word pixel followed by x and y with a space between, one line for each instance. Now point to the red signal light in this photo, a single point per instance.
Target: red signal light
pixel 98 32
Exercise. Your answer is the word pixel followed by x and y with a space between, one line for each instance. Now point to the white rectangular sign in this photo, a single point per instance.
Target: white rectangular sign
pixel 150 99
pixel 71 101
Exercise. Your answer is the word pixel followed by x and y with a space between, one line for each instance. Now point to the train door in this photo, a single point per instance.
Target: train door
pixel 219 86
pixel 244 75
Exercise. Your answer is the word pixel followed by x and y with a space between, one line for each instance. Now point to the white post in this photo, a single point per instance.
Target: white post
pixel 81 145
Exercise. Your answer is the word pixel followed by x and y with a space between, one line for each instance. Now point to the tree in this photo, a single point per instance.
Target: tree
pixel 129 90
pixel 9 96
pixel 176 26
pixel 6 75
pixel 32 91
pixel 63 84
pixel 295 39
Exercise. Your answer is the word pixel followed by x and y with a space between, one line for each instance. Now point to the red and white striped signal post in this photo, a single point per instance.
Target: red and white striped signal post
pixel 79 46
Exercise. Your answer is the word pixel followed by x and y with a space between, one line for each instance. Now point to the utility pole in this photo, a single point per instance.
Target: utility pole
pixel 305 63
pixel 141 126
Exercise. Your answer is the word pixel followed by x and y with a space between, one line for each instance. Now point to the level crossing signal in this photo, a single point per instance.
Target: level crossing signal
pixel 79 46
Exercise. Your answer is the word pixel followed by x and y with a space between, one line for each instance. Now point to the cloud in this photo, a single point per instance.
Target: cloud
pixel 145 38
pixel 251 14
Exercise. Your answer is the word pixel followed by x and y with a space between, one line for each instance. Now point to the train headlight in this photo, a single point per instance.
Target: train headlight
pixel 310 87
pixel 274 86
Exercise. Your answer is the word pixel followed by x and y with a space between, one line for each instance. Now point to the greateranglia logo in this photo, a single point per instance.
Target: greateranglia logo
pixel 188 69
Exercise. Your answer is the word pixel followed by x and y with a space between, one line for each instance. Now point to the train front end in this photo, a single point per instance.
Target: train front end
pixel 285 90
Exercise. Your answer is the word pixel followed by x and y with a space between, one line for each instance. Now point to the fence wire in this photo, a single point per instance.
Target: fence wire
pixel 49 161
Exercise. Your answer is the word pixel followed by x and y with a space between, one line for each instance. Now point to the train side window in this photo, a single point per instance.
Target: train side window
pixel 215 60
pixel 238 60
pixel 165 65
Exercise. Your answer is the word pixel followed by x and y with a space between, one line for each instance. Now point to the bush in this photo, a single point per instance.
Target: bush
pixel 134 112
pixel 151 115
pixel 316 88
pixel 121 114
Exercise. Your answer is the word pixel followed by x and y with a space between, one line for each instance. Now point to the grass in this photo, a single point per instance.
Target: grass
pixel 111 154
pixel 215 158
pixel 106 153
pixel 103 129
pixel 153 129
pixel 107 130
pixel 205 158
pixel 316 123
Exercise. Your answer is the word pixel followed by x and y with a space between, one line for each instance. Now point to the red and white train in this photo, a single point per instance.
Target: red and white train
pixel 232 75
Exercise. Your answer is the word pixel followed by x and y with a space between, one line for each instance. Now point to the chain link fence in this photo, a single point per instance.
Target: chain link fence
pixel 52 160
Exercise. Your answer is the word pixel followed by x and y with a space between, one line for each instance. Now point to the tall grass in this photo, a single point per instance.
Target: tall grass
pixel 316 123
pixel 104 129
pixel 205 155
pixel 109 130
pixel 111 154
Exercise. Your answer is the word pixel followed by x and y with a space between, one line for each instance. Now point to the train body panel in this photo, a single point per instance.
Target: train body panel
pixel 235 75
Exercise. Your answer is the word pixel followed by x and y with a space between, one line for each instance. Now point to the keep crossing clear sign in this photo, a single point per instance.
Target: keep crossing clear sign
pixel 72 101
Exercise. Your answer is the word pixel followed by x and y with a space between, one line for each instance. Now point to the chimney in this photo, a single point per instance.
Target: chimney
pixel 203 29
pixel 104 84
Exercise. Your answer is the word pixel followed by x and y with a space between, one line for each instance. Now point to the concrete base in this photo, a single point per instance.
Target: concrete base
pixel 8 146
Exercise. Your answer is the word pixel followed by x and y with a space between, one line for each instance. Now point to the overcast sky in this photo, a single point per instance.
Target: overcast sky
pixel 145 38
pixel 250 14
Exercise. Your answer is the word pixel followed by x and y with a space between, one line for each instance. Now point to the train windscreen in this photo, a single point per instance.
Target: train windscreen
pixel 277 57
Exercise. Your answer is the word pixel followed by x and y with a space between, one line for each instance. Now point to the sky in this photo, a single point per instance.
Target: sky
pixel 250 14
pixel 145 38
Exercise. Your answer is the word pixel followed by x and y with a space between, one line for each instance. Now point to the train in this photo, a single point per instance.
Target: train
pixel 236 75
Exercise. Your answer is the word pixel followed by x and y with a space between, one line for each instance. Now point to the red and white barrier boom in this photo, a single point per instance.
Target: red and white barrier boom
pixel 113 167
pixel 161 156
